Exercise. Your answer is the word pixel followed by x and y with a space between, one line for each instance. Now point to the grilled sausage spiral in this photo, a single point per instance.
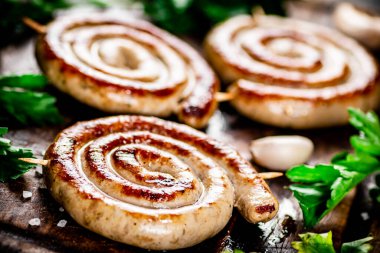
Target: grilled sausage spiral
pixel 291 73
pixel 124 65
pixel 152 183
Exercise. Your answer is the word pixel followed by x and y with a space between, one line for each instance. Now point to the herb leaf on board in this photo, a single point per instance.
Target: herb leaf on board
pixel 318 243
pixel 10 165
pixel 319 189
pixel 21 100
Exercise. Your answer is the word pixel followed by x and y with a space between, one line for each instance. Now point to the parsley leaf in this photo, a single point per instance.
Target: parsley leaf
pixel 42 11
pixel 232 251
pixel 359 162
pixel 314 243
pixel 21 100
pixel 321 188
pixel 317 243
pixel 196 17
pixel 10 166
pixel 368 141
pixel 314 189
pixel 358 246
pixel 12 12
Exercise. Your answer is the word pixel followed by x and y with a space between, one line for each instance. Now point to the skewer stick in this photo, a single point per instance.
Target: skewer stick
pixel 34 25
pixel 35 161
pixel 258 11
pixel 264 175
pixel 270 175
pixel 219 97
pixel 224 96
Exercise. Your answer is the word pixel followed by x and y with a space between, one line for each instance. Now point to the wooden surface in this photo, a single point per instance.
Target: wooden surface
pixel 354 218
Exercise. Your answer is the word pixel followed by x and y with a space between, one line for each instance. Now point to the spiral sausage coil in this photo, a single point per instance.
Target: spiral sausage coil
pixel 152 183
pixel 291 73
pixel 124 65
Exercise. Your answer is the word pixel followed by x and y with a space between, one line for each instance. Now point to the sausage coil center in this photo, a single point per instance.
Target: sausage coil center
pixel 152 183
pixel 292 73
pixel 124 65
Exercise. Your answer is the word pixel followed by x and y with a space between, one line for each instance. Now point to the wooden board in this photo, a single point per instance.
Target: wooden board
pixel 275 236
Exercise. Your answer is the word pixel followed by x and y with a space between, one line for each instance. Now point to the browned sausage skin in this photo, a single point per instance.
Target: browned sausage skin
pixel 152 183
pixel 291 73
pixel 125 65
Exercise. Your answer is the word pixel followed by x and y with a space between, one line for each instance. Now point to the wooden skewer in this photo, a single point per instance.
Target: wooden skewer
pixel 35 161
pixel 258 11
pixel 270 175
pixel 219 97
pixel 34 25
pixel 264 175
pixel 224 96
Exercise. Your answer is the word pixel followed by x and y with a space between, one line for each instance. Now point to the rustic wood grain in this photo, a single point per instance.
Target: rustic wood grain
pixel 226 125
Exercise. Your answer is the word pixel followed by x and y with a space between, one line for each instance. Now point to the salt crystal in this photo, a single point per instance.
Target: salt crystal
pixel 26 194
pixel 365 216
pixel 39 170
pixel 34 222
pixel 61 209
pixel 62 223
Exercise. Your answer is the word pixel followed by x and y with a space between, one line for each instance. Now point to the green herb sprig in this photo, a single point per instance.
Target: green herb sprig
pixel 318 243
pixel 232 251
pixel 196 17
pixel 10 165
pixel 319 189
pixel 13 11
pixel 21 100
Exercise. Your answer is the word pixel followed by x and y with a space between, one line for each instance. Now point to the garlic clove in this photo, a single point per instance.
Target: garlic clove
pixel 281 152
pixel 358 24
